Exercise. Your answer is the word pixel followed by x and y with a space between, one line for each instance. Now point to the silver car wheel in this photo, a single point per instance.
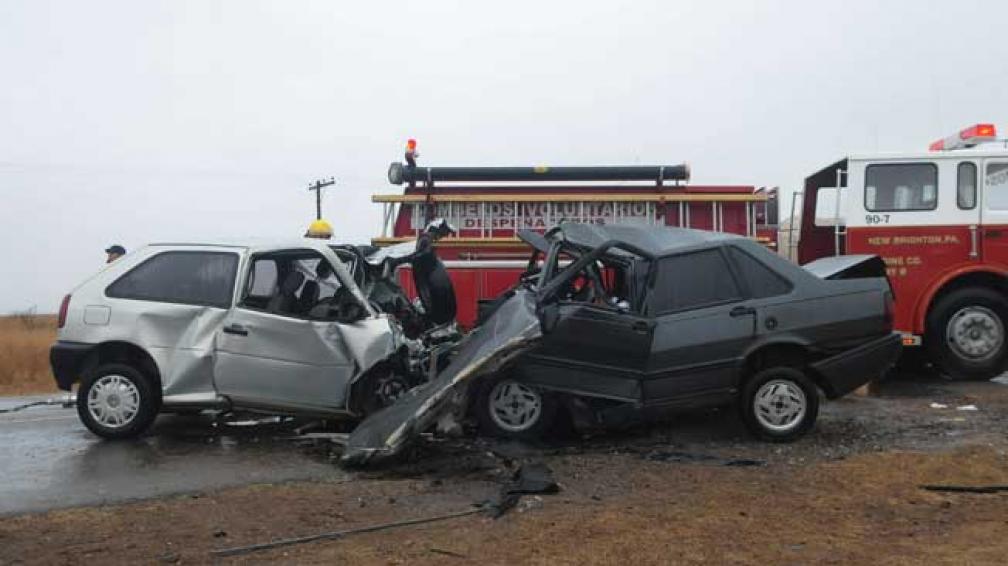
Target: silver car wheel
pixel 514 407
pixel 113 401
pixel 780 405
pixel 975 333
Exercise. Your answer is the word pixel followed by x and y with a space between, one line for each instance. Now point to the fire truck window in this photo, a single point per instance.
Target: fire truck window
pixel 693 280
pixel 966 191
pixel 996 194
pixel 762 281
pixel 901 186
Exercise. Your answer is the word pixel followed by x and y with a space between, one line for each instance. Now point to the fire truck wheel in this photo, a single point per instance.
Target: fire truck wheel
pixel 966 333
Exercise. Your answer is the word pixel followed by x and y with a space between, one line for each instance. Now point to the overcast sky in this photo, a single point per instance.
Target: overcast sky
pixel 131 122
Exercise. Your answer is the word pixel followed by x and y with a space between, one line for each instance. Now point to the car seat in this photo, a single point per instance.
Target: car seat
pixel 285 299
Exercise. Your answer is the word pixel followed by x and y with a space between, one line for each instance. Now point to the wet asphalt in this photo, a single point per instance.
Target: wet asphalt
pixel 48 460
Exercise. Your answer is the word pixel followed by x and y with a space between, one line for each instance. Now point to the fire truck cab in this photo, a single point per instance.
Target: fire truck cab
pixel 939 220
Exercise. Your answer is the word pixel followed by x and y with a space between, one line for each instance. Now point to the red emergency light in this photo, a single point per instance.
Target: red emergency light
pixel 968 137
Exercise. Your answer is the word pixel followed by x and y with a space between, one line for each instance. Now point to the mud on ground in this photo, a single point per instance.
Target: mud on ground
pixel 692 490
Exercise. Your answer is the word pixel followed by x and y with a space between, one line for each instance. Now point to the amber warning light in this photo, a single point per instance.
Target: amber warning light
pixel 968 137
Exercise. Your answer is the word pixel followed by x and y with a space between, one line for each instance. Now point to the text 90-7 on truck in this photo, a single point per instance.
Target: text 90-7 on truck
pixel 939 220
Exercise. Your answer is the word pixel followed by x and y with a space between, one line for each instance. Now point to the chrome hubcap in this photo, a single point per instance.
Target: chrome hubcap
pixel 514 406
pixel 780 405
pixel 975 333
pixel 113 401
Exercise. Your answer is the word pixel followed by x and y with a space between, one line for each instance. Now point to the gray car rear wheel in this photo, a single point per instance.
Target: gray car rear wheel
pixel 780 404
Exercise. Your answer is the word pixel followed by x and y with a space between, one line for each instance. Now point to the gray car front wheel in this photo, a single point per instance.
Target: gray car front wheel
pixel 510 408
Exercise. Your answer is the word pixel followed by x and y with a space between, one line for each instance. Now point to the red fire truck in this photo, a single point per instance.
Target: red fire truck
pixel 488 205
pixel 939 219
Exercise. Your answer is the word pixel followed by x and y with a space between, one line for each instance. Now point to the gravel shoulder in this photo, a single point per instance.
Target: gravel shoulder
pixel 691 490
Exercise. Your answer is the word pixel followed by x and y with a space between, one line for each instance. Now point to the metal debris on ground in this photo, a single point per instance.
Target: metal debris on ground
pixel 529 479
pixel 66 401
pixel 965 488
pixel 692 457
pixel 238 550
pixel 938 406
pixel 967 408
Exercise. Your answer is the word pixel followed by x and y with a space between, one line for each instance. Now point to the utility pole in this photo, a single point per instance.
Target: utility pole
pixel 317 186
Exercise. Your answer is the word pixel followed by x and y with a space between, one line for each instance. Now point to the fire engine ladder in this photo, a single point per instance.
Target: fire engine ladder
pixel 455 204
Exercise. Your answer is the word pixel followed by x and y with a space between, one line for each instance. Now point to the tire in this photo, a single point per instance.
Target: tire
pixel 965 334
pixel 113 390
pixel 765 404
pixel 507 408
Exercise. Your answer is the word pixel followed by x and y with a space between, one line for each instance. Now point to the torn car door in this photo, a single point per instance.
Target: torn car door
pixel 512 330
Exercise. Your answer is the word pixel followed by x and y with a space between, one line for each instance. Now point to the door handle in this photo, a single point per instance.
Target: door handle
pixel 236 329
pixel 640 326
pixel 993 233
pixel 741 311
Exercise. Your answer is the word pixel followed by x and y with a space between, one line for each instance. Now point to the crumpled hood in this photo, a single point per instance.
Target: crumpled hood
pixel 513 329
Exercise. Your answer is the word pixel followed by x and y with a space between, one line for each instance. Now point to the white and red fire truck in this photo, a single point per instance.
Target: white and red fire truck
pixel 939 220
pixel 488 205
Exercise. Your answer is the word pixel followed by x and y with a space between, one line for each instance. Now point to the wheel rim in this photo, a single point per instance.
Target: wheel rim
pixel 515 407
pixel 113 401
pixel 975 333
pixel 780 405
pixel 389 390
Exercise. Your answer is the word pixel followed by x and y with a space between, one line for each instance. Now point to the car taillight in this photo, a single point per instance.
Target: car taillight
pixel 889 315
pixel 63 311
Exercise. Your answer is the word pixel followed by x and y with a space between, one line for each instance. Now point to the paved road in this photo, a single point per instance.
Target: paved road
pixel 49 460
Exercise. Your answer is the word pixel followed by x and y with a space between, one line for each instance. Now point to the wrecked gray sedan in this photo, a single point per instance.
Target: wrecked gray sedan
pixel 302 328
pixel 610 323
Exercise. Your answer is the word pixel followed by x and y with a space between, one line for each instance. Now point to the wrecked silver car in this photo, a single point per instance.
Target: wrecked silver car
pixel 303 328
pixel 612 322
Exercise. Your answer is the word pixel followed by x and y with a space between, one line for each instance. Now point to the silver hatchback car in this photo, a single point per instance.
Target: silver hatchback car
pixel 302 328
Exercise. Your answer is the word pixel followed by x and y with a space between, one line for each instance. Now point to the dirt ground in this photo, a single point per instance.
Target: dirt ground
pixel 691 490
pixel 24 354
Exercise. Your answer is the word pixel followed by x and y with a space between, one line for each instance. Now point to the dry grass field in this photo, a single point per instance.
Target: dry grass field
pixel 24 354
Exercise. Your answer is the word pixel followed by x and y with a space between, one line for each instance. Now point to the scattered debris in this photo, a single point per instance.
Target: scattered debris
pixel 238 550
pixel 692 457
pixel 531 478
pixel 65 401
pixel 965 488
pixel 447 553
pixel 938 406
pixel 967 408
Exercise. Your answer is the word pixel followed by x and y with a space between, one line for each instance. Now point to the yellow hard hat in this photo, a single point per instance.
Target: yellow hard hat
pixel 319 229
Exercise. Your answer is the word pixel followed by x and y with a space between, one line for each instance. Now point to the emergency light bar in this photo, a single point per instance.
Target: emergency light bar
pixel 400 173
pixel 969 137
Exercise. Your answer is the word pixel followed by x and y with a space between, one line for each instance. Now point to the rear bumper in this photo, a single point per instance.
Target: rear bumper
pixel 849 370
pixel 66 360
